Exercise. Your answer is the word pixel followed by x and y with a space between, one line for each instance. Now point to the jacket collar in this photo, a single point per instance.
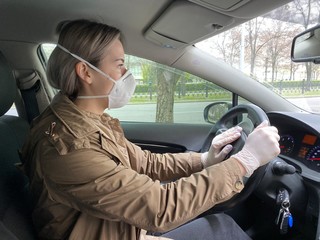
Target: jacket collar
pixel 78 122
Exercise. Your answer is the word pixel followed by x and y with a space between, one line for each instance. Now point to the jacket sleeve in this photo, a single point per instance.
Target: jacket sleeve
pixel 163 167
pixel 93 183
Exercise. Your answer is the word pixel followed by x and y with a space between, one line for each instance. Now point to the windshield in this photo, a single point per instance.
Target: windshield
pixel 261 49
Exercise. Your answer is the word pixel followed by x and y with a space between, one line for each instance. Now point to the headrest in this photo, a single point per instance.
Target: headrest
pixel 7 86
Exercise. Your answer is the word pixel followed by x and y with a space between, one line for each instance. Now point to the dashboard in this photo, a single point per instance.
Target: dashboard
pixel 299 138
pixel 302 146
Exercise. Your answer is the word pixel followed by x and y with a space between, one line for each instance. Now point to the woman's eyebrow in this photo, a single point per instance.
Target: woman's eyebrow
pixel 119 59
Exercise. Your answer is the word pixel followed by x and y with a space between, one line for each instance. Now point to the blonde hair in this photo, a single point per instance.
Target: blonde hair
pixel 84 38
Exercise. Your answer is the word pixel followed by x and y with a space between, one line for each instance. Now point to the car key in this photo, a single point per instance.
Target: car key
pixel 286 221
pixel 279 216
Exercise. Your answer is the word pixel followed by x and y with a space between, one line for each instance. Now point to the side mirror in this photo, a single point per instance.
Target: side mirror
pixel 214 111
pixel 306 46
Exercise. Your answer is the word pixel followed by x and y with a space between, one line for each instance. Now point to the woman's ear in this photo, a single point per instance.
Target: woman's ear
pixel 83 72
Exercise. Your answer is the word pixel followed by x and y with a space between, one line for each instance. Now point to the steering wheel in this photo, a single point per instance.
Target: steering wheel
pixel 235 117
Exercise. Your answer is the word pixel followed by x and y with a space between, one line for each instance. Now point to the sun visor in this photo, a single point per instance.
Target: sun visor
pixel 184 23
pixel 222 5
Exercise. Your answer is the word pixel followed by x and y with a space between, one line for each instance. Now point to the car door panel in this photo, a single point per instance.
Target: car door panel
pixel 160 137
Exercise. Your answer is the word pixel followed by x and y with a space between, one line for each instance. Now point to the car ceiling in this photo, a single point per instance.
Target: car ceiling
pixel 150 27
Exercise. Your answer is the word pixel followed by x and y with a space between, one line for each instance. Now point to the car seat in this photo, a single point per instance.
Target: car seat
pixel 15 204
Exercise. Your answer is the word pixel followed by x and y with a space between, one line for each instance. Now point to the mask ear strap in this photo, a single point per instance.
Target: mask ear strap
pixel 86 62
pixel 93 97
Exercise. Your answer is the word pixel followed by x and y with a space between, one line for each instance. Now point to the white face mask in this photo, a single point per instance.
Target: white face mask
pixel 121 91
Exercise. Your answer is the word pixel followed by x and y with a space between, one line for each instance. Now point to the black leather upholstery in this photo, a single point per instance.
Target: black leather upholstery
pixel 7 86
pixel 15 206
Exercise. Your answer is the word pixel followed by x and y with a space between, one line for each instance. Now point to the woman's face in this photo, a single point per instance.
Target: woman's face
pixel 113 65
pixel 99 85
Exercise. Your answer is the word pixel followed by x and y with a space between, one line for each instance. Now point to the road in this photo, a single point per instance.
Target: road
pixel 190 112
pixel 311 104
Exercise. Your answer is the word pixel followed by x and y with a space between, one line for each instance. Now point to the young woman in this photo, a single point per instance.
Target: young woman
pixel 90 182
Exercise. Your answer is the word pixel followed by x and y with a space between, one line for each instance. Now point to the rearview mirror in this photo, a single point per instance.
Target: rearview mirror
pixel 306 46
pixel 214 111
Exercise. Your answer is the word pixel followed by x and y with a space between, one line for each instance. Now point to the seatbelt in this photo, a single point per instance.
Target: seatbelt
pixel 33 94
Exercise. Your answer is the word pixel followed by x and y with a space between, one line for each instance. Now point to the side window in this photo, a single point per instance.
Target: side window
pixel 12 111
pixel 164 94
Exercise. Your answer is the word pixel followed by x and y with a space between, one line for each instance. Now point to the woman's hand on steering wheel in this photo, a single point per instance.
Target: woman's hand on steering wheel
pixel 252 155
pixel 239 116
pixel 220 146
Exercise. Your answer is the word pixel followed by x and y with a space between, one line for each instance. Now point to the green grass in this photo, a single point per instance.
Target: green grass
pixel 198 97
pixel 299 94
pixel 192 97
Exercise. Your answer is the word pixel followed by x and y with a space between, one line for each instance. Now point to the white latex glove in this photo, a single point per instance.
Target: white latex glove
pixel 261 146
pixel 220 147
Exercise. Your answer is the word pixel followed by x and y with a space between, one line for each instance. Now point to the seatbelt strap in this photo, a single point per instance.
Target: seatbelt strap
pixel 32 94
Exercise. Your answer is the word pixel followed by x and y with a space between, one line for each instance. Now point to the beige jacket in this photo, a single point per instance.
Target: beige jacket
pixel 90 182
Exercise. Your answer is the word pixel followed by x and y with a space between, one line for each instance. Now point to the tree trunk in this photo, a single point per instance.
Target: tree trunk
pixel 309 72
pixel 166 82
